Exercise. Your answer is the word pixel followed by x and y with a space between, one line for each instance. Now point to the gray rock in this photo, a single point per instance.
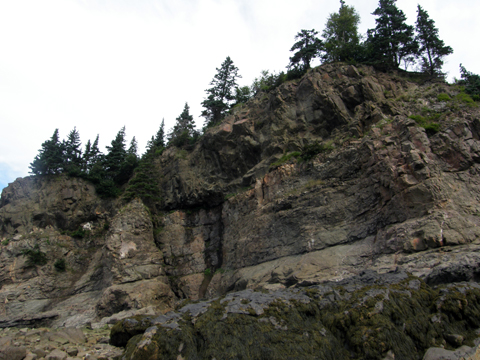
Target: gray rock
pixel 57 355
pixel 440 354
pixel 13 353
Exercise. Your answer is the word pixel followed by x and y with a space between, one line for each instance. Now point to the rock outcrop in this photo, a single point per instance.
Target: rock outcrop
pixel 393 315
pixel 342 171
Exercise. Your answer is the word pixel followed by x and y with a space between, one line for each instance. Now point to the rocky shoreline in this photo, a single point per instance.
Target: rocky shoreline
pixel 57 344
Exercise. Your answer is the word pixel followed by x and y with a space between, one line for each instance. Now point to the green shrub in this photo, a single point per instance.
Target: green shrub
pixel 285 158
pixel 431 128
pixel 60 265
pixel 465 98
pixel 228 196
pixel 443 97
pixel 5 242
pixel 418 118
pixel 80 233
pixel 207 272
pixel 35 256
pixel 268 81
pixel 309 151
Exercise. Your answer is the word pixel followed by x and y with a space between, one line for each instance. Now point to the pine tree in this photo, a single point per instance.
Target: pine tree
pixel 307 47
pixel 50 159
pixel 220 95
pixel 392 40
pixel 340 37
pixel 184 129
pixel 432 49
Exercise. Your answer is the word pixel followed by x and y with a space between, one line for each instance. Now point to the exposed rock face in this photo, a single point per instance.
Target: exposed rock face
pixel 242 211
pixel 59 202
pixel 372 202
pixel 106 272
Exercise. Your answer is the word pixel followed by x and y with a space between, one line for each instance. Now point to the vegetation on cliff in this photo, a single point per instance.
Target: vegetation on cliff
pixel 367 317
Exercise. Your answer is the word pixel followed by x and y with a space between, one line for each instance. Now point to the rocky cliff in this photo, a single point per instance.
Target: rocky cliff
pixel 342 171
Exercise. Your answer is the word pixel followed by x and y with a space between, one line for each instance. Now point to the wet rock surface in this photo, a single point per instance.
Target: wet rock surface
pixel 370 316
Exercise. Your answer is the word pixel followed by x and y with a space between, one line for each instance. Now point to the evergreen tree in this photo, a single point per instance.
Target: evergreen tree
pixel 95 156
pixel 184 130
pixel 340 37
pixel 151 144
pixel 130 163
pixel 50 159
pixel 242 94
pixel 116 156
pixel 159 140
pixel 132 150
pixel 220 95
pixel 144 183
pixel 86 156
pixel 432 49
pixel 471 82
pixel 91 156
pixel 392 40
pixel 73 153
pixel 307 47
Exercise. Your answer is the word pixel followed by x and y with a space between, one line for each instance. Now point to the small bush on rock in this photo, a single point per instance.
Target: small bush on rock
pixel 35 256
pixel 60 265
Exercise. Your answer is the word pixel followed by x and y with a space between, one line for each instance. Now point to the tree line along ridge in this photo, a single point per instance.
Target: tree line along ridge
pixel 389 45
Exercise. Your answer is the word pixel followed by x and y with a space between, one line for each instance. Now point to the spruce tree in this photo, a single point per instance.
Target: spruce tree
pixel 50 159
pixel 144 183
pixel 86 156
pixel 221 94
pixel 159 140
pixel 392 40
pixel 91 156
pixel 432 49
pixel 307 47
pixel 116 156
pixel 73 153
pixel 132 150
pixel 340 37
pixel 184 130
pixel 471 82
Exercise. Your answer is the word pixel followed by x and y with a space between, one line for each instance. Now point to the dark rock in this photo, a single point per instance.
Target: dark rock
pixel 454 339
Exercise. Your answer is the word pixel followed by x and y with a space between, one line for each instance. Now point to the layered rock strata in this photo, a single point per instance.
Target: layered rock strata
pixel 317 180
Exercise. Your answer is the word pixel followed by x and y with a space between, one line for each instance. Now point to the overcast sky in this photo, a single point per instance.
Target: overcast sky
pixel 100 65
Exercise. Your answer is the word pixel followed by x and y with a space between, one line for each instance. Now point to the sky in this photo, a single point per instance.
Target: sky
pixel 101 65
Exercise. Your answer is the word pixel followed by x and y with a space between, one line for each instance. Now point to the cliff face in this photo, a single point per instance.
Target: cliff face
pixel 380 193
